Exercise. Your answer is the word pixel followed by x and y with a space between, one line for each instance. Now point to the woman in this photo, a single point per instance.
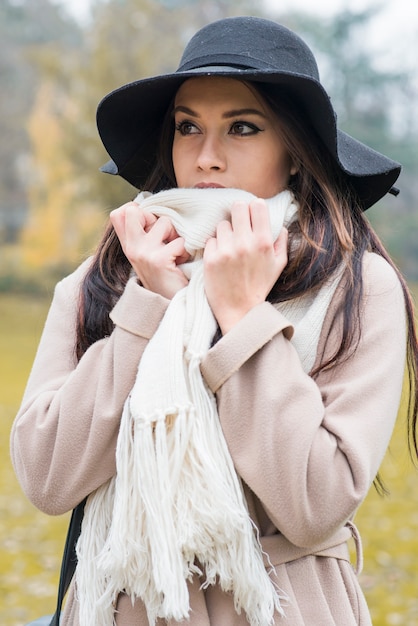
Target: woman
pixel 223 388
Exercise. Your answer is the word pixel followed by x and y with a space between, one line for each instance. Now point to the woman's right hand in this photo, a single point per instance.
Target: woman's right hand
pixel 153 248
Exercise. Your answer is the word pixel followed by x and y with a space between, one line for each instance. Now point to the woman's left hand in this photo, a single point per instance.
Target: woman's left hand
pixel 242 262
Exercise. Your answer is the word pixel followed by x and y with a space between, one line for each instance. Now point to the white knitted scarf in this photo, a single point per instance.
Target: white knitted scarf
pixel 176 507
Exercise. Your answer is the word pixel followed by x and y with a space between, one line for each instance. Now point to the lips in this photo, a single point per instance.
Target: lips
pixel 208 186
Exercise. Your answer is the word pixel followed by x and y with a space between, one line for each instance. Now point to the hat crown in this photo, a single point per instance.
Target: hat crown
pixel 249 43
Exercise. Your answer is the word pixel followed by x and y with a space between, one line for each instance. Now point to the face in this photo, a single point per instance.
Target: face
pixel 226 136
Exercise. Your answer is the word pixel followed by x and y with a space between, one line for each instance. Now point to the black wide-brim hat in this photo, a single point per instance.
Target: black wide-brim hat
pixel 251 49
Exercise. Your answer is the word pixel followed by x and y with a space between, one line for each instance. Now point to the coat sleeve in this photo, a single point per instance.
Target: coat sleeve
pixel 63 439
pixel 310 449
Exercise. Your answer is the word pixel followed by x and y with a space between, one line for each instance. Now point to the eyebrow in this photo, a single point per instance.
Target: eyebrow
pixel 225 115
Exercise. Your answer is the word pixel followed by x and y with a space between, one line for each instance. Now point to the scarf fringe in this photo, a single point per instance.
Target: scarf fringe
pixel 217 543
pixel 96 598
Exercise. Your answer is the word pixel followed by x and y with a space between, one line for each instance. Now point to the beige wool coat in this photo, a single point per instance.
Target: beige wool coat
pixel 307 450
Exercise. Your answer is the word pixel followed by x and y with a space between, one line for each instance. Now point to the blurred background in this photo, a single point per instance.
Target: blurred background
pixel 58 59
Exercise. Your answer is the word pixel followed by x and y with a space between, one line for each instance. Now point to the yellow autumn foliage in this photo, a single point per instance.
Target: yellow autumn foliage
pixel 58 231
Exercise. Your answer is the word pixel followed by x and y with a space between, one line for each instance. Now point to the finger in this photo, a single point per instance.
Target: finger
pixel 117 218
pixel 223 229
pixel 259 215
pixel 124 219
pixel 240 218
pixel 163 230
pixel 211 247
pixel 177 250
pixel 224 237
pixel 150 220
pixel 135 219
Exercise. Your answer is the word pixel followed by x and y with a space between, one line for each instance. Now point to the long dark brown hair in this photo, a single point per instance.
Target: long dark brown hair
pixel 331 229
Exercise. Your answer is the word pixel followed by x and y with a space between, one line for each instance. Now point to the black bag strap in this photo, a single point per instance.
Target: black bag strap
pixel 69 559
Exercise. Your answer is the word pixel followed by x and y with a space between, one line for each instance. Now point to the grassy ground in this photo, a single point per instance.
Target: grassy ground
pixel 31 543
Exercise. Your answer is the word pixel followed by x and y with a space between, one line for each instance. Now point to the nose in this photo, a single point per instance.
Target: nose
pixel 211 155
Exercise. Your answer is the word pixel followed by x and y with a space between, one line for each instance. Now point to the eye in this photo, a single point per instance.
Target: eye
pixel 244 128
pixel 186 128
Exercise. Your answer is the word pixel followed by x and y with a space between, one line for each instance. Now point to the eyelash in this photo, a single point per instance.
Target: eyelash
pixel 254 129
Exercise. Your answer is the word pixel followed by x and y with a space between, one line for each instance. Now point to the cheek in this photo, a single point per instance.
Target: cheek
pixel 271 180
pixel 174 155
pixel 273 169
pixel 282 166
pixel 178 162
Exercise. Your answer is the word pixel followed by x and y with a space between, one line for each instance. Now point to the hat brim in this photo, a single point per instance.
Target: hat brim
pixel 129 123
